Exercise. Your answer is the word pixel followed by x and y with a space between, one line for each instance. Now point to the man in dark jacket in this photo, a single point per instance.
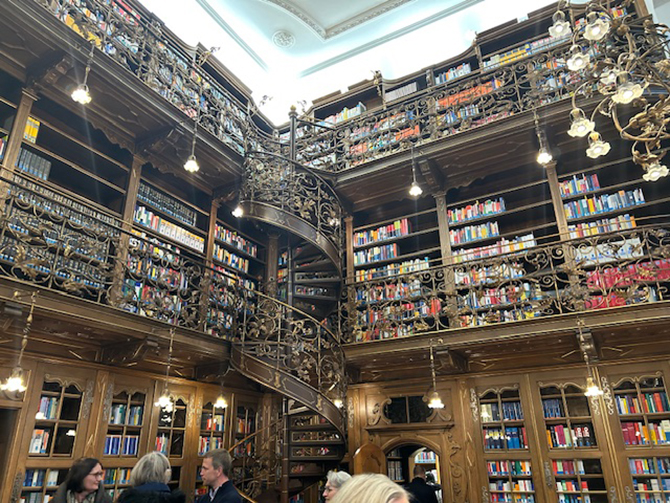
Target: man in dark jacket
pixel 215 470
pixel 420 491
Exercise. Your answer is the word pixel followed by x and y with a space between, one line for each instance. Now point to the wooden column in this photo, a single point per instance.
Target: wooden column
pixel 447 256
pixel 557 202
pixel 209 265
pixel 28 97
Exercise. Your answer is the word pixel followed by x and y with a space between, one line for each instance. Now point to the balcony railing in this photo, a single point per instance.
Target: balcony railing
pixel 535 77
pixel 608 270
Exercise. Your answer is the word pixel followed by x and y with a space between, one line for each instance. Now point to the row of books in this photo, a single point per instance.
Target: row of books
pixel 610 251
pixel 568 467
pixel 401 92
pixel 166 204
pixel 384 140
pixel 499 316
pixel 616 299
pixel 552 407
pixel 507 498
pixel 453 73
pixel 451 117
pixel 511 411
pixel 39 442
pixel 39 478
pixel 563 436
pixel 425 457
pixel 383 123
pixel 163 252
pixel 476 210
pixel 469 94
pixel 645 466
pixel 234 239
pixel 61 206
pixel 119 445
pixel 400 290
pixel 342 115
pixel 406 311
pixel 505 295
pixel 147 218
pixel 652 485
pixel 163 276
pixel 118 414
pixel 3 146
pixel 245 426
pixel 377 333
pixel 405 267
pixel 216 320
pixel 31 130
pixel 245 450
pixel 35 497
pixel 314 291
pixel 222 277
pixel 503 246
pixel 507 467
pixel 603 203
pixel 521 52
pixel 638 433
pixel 394 470
pixel 473 233
pixel 206 444
pixel 33 164
pixel 488 274
pixel 396 229
pixel 579 185
pixel 520 485
pixel 163 443
pixel 585 229
pixel 117 475
pixel 146 297
pixel 647 403
pixel 48 408
pixel 571 486
pixel 376 254
pixel 511 438
pixel 226 257
pixel 213 422
pixel 621 276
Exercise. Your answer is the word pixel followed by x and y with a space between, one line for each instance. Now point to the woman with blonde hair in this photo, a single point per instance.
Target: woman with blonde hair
pixel 149 480
pixel 370 488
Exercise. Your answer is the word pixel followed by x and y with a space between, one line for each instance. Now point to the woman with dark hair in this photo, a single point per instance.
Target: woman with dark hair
pixel 83 484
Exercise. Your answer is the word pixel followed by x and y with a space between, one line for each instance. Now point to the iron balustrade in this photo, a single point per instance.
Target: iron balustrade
pixel 607 270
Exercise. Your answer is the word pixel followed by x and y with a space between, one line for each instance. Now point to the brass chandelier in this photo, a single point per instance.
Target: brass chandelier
pixel 624 60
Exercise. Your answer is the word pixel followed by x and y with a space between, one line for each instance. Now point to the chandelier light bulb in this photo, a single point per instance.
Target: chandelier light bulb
pixel 592 388
pixel 339 403
pixel 561 27
pixel 434 401
pixel 14 383
pixel 238 211
pixel 165 402
pixel 544 156
pixel 654 171
pixel 626 90
pixel 580 125
pixel 597 147
pixel 578 59
pixel 221 402
pixel 191 164
pixel 596 27
pixel 81 94
pixel 608 76
pixel 415 190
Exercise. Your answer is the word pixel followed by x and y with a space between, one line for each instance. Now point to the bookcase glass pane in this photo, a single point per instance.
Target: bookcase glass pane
pixel 419 412
pixel 70 409
pixel 64 442
pixel 180 414
pixel 396 411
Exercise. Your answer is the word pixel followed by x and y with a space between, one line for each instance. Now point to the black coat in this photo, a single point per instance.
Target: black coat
pixel 152 493
pixel 61 495
pixel 226 494
pixel 421 492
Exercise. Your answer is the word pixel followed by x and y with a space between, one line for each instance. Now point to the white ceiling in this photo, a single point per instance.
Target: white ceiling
pixel 326 45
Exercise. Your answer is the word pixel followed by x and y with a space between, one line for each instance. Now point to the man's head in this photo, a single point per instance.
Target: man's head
pixel 419 471
pixel 215 468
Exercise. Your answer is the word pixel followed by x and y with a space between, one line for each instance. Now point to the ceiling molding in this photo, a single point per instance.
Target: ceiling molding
pixel 212 12
pixel 325 32
pixel 464 4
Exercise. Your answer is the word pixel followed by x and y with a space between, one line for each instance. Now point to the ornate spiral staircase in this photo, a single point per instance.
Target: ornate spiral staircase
pixel 289 342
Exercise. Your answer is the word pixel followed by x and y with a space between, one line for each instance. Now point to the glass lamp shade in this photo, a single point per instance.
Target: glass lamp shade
pixel 165 402
pixel 580 125
pixel 81 94
pixel 596 27
pixel 544 156
pixel 597 147
pixel 415 190
pixel 626 92
pixel 654 171
pixel 14 383
pixel 192 165
pixel 561 27
pixel 578 59
pixel 592 388
pixel 221 402
pixel 434 401
pixel 238 211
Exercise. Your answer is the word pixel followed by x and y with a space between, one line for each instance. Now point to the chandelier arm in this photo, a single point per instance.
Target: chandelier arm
pixel 574 96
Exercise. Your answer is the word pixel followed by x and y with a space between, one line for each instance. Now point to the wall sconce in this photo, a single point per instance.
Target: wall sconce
pixel 15 383
pixel 434 400
pixel 81 94
pixel 165 401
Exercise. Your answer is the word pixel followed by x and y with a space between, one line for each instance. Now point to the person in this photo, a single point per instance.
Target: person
pixel 149 480
pixel 83 484
pixel 215 473
pixel 419 489
pixel 370 488
pixel 334 481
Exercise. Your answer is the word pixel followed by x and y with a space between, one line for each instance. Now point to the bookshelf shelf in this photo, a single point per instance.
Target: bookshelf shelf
pixel 567 417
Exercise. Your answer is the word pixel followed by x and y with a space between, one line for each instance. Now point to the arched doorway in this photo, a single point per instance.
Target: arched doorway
pixel 402 460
